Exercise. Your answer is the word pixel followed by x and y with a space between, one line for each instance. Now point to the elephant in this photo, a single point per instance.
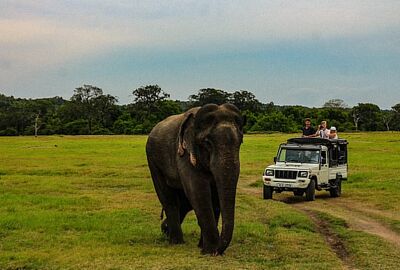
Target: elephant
pixel 194 163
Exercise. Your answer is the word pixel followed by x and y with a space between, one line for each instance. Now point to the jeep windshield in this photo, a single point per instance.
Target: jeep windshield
pixel 299 155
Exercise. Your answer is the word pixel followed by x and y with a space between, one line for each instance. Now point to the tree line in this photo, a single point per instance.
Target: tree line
pixel 91 111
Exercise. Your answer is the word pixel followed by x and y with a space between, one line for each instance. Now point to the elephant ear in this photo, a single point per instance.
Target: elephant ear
pixel 186 137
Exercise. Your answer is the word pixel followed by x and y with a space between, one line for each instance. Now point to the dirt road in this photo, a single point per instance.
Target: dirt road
pixel 358 216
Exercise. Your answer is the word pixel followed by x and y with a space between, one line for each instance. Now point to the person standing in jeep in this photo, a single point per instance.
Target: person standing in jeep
pixel 323 132
pixel 308 130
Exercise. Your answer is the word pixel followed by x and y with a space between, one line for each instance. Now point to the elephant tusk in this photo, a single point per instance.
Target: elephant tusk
pixel 193 159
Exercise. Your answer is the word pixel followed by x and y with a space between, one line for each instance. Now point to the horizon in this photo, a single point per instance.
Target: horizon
pixel 346 106
pixel 287 52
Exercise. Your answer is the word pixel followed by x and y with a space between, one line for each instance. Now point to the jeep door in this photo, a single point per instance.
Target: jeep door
pixel 323 175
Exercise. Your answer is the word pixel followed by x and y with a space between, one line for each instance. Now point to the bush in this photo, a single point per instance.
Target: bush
pixel 9 132
pixel 101 131
pixel 275 121
pixel 77 127
pixel 124 126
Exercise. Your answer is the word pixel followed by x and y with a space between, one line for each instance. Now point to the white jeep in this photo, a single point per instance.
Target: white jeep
pixel 304 165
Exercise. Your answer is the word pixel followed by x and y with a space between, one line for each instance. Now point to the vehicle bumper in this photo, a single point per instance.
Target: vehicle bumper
pixel 286 183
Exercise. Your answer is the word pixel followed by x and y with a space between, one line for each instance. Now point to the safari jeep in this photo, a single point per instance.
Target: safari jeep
pixel 303 165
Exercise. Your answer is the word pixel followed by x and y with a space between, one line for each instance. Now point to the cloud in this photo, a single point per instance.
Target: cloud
pixel 39 37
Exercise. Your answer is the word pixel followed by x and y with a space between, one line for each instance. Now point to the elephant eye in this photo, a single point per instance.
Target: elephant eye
pixel 207 142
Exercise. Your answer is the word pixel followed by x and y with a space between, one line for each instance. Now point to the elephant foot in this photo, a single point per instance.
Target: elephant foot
pixel 176 240
pixel 213 252
pixel 209 249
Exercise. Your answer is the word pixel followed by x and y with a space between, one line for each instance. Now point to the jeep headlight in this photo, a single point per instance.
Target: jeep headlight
pixel 269 172
pixel 303 174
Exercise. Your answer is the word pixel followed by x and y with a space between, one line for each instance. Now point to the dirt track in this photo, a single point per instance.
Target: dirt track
pixel 357 215
pixel 331 239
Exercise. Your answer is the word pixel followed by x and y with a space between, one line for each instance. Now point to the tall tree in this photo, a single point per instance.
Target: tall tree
pixel 387 117
pixel 90 103
pixel 146 101
pixel 245 100
pixel 396 108
pixel 396 117
pixel 355 113
pixel 209 95
pixel 147 96
pixel 368 116
pixel 335 103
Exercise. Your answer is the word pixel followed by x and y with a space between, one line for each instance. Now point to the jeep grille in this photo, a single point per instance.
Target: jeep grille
pixel 285 174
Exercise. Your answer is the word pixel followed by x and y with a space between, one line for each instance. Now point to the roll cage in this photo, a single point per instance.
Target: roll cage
pixel 337 148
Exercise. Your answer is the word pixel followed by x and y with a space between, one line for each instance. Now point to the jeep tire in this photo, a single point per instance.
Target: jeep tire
pixel 310 191
pixel 336 191
pixel 267 192
pixel 298 192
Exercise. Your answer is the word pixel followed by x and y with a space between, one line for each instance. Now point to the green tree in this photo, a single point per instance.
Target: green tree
pixel 146 100
pixel 297 113
pixel 396 117
pixel 245 101
pixel 147 96
pixel 89 103
pixel 335 103
pixel 337 117
pixel 368 116
pixel 151 105
pixel 209 95
pixel 396 108
pixel 387 118
pixel 275 121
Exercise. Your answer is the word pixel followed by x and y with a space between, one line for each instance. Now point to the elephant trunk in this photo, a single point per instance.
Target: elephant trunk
pixel 226 174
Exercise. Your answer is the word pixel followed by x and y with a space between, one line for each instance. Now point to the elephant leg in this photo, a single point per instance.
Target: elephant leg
pixel 198 192
pixel 164 227
pixel 184 208
pixel 209 232
pixel 216 209
pixel 173 224
pixel 215 203
pixel 170 202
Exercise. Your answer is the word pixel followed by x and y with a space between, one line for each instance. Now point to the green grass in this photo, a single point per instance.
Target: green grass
pixel 88 203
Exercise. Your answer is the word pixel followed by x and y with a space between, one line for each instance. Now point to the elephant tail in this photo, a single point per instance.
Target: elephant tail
pixel 162 214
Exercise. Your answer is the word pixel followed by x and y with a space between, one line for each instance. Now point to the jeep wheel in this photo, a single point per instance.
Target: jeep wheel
pixel 267 192
pixel 298 192
pixel 310 191
pixel 336 191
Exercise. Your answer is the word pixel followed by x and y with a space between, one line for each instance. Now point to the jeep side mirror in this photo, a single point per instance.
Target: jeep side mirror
pixel 274 159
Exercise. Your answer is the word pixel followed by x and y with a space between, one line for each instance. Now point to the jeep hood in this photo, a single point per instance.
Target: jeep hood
pixel 293 166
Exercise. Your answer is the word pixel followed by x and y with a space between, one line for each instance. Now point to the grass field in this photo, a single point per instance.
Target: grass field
pixel 87 202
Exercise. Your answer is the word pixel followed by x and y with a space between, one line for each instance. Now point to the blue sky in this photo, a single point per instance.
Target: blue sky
pixel 288 52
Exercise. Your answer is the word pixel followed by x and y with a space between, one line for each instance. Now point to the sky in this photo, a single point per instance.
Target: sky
pixel 297 52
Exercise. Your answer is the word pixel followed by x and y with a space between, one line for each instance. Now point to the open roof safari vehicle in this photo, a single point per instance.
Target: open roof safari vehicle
pixel 303 165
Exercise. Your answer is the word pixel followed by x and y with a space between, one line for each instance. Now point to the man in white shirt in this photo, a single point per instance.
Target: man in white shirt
pixel 322 131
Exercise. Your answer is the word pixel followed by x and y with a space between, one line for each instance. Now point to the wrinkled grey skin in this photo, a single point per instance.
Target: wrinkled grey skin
pixel 194 162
